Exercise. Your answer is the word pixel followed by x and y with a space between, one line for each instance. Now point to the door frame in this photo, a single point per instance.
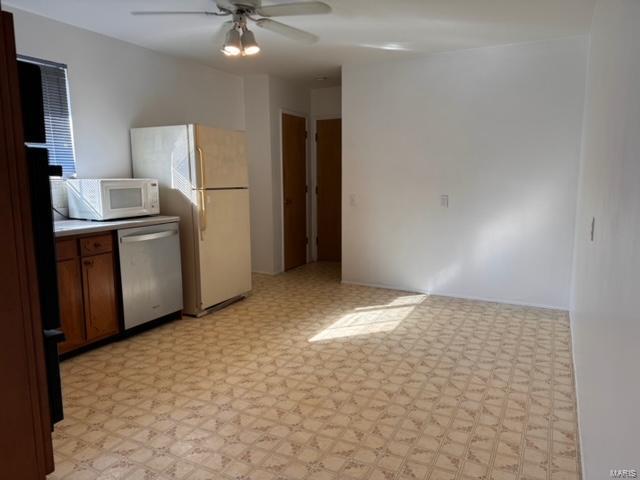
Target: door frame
pixel 314 181
pixel 281 112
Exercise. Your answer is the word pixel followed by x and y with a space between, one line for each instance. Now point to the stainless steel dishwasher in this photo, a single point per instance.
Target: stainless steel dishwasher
pixel 151 273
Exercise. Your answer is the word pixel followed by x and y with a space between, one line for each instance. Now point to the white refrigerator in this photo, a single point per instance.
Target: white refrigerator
pixel 203 179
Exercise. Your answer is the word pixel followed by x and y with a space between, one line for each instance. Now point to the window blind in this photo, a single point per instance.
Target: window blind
pixel 57 116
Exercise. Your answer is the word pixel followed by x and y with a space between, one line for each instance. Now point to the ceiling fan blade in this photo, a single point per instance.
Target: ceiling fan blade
pixel 177 12
pixel 226 5
pixel 290 9
pixel 287 31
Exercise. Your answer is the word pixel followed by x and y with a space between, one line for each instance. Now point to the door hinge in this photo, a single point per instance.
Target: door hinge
pixel 306 135
pixel 316 190
pixel 306 189
pixel 316 240
pixel 306 240
pixel 316 136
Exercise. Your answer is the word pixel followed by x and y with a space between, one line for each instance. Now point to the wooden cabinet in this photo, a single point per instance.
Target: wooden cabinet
pixel 71 311
pixel 89 304
pixel 100 304
pixel 96 244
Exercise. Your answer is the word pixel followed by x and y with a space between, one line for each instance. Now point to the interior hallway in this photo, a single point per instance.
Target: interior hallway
pixel 312 379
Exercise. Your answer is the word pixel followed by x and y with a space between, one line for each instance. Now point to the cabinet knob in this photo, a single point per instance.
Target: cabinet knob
pixel 88 262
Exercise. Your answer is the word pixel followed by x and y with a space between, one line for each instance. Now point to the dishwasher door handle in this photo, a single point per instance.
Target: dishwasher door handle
pixel 149 236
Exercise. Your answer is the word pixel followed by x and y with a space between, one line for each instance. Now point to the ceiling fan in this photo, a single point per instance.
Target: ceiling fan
pixel 239 40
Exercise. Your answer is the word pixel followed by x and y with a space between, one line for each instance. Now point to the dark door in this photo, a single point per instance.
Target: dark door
pixel 294 176
pixel 329 168
pixel 25 437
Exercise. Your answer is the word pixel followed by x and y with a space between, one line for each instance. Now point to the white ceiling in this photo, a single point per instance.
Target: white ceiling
pixel 356 30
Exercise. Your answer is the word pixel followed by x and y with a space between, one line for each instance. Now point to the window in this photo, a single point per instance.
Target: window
pixel 57 115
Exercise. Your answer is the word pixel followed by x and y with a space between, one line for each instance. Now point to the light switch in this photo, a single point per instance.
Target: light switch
pixel 444 201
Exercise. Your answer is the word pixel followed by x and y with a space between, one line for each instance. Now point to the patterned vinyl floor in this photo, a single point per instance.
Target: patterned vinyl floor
pixel 311 379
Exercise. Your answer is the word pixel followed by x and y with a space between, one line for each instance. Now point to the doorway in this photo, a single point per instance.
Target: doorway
pixel 329 189
pixel 294 190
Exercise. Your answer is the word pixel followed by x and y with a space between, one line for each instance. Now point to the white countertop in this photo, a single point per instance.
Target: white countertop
pixel 65 228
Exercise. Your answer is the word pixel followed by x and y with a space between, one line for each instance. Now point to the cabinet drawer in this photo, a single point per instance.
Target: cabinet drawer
pixel 95 245
pixel 66 249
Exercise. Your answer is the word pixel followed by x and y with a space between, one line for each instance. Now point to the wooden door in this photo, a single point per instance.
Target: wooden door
pixel 100 304
pixel 329 188
pixel 294 176
pixel 71 308
pixel 25 438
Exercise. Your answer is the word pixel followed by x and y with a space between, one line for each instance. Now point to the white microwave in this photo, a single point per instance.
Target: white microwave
pixel 109 198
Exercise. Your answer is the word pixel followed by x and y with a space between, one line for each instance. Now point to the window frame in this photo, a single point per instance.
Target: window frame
pixel 50 64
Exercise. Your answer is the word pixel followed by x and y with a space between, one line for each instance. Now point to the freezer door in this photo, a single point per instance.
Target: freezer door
pixel 225 246
pixel 164 153
pixel 221 158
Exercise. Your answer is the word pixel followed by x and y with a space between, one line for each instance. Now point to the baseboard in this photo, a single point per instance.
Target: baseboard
pixel 385 287
pixel 461 297
pixel 501 301
pixel 575 384
pixel 259 272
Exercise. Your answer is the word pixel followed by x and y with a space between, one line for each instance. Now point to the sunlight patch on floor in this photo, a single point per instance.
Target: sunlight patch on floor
pixel 371 319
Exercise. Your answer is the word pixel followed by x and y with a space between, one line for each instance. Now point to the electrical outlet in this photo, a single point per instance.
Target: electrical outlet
pixel 444 201
pixel 352 199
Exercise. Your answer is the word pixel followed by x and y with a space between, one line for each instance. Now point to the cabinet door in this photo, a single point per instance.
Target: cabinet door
pixel 71 309
pixel 100 304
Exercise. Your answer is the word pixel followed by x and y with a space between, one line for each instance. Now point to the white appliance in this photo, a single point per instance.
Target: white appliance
pixel 150 272
pixel 106 199
pixel 203 178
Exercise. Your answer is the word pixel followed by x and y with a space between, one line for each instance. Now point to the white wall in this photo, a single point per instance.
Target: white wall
pixel 258 124
pixel 606 310
pixel 498 130
pixel 325 103
pixel 115 86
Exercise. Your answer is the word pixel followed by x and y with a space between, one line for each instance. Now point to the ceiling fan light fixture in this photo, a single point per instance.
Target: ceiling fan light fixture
pixel 232 45
pixel 239 40
pixel 249 44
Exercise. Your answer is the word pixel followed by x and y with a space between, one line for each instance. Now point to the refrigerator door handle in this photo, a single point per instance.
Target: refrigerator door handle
pixel 201 165
pixel 203 214
pixel 203 208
